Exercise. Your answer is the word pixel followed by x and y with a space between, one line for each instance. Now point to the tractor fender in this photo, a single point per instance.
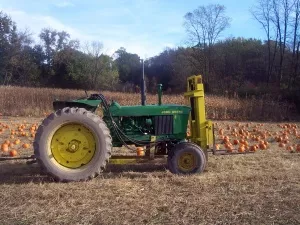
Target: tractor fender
pixel 71 104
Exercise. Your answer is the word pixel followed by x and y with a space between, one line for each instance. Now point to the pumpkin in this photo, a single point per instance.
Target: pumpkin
pixel 253 148
pixel 235 142
pixel 10 145
pixel 4 147
pixel 13 153
pixel 221 131
pixel 286 141
pixel 228 145
pixel 229 149
pixel 241 148
pixel 281 144
pixel 25 145
pixel 262 146
pixel 279 139
pixel 140 151
pixel 16 142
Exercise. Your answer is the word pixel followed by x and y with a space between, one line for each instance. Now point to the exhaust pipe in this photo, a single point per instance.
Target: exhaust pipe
pixel 143 95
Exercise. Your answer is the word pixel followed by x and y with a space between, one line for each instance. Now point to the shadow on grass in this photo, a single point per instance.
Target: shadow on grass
pixel 20 172
pixel 139 170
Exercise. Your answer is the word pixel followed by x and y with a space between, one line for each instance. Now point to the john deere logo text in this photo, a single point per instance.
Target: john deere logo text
pixel 172 112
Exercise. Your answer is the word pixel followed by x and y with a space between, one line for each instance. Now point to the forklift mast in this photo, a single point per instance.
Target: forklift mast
pixel 201 130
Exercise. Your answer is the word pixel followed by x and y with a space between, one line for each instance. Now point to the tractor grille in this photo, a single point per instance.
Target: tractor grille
pixel 163 125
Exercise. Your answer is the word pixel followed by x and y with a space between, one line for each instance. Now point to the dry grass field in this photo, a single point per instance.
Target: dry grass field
pixel 257 188
pixel 23 101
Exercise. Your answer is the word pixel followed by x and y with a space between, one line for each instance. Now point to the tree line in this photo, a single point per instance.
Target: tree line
pixel 246 66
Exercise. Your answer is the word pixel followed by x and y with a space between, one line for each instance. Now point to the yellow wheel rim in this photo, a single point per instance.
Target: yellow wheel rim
pixel 73 145
pixel 187 162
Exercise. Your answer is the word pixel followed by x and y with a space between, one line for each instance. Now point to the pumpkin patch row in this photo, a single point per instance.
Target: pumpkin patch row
pixel 16 137
pixel 252 137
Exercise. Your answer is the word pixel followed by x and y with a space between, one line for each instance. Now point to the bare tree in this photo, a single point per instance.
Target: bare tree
pixel 276 18
pixel 204 26
pixel 281 11
pixel 94 50
pixel 99 66
pixel 295 42
pixel 262 12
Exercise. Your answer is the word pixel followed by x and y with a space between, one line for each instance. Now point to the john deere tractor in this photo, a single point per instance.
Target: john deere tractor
pixel 75 142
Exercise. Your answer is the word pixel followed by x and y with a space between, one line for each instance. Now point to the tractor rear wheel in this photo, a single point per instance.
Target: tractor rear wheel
pixel 73 144
pixel 186 158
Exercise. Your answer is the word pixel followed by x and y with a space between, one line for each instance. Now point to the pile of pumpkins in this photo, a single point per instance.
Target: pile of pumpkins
pixel 14 134
pixel 240 136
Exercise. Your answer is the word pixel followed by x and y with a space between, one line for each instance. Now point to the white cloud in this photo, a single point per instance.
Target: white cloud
pixel 35 23
pixel 141 44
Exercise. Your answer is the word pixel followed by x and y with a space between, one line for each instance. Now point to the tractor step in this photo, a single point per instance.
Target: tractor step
pixel 225 152
pixel 130 159
pixel 17 158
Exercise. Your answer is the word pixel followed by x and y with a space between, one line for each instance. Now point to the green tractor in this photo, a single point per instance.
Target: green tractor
pixel 74 143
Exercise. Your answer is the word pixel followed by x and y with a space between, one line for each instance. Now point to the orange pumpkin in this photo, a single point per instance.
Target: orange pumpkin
pixel 286 141
pixel 279 139
pixel 140 151
pixel 263 146
pixel 228 145
pixel 25 145
pixel 253 148
pixel 13 153
pixel 221 131
pixel 235 142
pixel 241 148
pixel 281 144
pixel 4 147
pixel 16 142
pixel 10 145
pixel 229 149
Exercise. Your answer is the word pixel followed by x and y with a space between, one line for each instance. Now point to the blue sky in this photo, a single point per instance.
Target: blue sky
pixel 144 27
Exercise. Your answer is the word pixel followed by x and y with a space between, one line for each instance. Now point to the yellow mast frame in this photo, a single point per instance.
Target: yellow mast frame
pixel 201 130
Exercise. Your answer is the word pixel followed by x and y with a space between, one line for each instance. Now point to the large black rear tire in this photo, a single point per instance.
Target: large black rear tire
pixel 94 127
pixel 186 158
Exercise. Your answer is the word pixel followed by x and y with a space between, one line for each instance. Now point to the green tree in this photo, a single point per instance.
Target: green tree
pixel 129 66
pixel 16 65
pixel 53 42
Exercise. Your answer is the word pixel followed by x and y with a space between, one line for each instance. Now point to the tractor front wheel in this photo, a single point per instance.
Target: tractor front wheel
pixel 186 158
pixel 72 144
